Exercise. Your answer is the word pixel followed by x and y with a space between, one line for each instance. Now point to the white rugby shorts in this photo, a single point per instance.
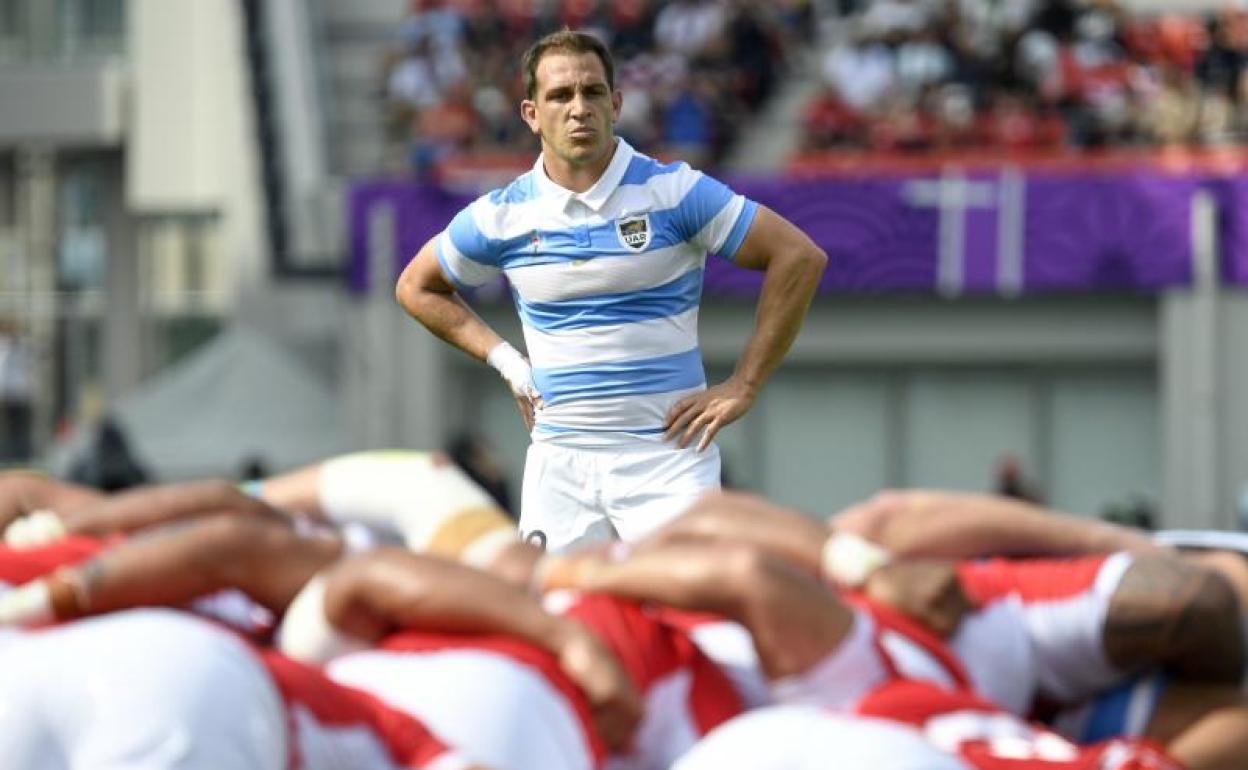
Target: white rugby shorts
pixel 576 496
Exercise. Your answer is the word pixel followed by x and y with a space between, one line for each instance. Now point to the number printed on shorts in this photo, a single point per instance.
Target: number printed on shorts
pixel 537 538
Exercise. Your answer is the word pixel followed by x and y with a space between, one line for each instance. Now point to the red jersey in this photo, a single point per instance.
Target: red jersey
pixel 1059 605
pixel 22 565
pixel 520 652
pixel 987 738
pixel 1032 581
pixel 320 711
pixel 686 694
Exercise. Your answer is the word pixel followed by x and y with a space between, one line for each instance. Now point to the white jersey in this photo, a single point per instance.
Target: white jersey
pixel 1216 539
pixel 163 689
pixel 607 284
pixel 502 702
pixel 152 688
pixel 807 738
pixel 421 497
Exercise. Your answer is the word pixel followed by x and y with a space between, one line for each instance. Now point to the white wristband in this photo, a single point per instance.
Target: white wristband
pixel 849 559
pixel 40 528
pixel 27 605
pixel 307 635
pixel 514 369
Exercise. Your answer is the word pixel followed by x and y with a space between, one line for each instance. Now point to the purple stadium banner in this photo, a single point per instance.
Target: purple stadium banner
pixel 1000 232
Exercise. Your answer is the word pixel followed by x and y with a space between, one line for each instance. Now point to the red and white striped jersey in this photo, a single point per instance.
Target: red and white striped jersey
pixel 333 726
pixel 22 565
pixel 686 694
pixel 984 736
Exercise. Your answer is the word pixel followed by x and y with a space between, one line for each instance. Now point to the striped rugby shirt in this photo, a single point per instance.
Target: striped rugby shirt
pixel 607 284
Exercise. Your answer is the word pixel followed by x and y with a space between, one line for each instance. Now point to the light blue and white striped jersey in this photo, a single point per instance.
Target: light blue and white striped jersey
pixel 607 284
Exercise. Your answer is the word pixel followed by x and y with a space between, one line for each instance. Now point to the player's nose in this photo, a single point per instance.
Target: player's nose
pixel 581 106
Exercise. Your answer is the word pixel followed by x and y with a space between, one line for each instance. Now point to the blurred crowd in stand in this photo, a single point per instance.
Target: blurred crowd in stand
pixel 1028 74
pixel 692 71
pixel 893 75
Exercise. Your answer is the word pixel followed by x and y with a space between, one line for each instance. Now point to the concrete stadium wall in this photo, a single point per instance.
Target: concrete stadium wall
pixel 907 392
pixel 191 146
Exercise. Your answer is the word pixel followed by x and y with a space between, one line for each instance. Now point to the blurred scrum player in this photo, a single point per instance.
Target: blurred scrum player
pixel 805 646
pixel 335 610
pixel 1085 624
pixel 605 248
pixel 542 676
pixel 278 564
pixel 905 725
pixel 421 499
pixel 371 617
pixel 161 689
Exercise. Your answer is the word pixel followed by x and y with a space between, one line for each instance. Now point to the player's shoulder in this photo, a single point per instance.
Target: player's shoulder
pixel 643 169
pixel 522 189
pixel 652 185
pixel 498 213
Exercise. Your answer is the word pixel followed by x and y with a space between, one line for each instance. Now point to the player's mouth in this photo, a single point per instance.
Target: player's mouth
pixel 583 132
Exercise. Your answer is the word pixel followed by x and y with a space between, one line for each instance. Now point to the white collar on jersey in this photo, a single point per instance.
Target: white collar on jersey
pixel 596 196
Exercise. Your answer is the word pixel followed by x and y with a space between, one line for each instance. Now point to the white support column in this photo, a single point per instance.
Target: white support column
pixel 123 327
pixel 36 217
pixel 1193 490
pixel 396 372
pixel 372 354
pixel 313 219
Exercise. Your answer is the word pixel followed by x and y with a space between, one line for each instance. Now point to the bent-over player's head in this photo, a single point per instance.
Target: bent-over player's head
pixel 572 102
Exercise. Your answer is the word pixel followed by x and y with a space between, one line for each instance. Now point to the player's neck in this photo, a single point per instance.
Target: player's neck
pixel 577 177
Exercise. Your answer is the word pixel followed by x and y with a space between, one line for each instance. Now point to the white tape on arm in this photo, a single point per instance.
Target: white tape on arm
pixel 514 369
pixel 35 529
pixel 849 559
pixel 27 605
pixel 306 635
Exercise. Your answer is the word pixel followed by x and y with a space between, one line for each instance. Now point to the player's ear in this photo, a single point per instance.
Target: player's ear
pixel 617 103
pixel 528 112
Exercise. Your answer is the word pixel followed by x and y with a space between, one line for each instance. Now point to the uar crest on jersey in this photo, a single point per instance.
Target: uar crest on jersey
pixel 634 231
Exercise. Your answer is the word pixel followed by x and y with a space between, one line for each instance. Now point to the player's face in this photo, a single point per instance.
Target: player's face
pixel 573 109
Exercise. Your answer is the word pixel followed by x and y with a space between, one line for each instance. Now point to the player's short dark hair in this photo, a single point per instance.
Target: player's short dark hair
pixel 564 41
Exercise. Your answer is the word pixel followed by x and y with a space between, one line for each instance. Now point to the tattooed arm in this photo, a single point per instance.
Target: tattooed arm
pixel 1178 615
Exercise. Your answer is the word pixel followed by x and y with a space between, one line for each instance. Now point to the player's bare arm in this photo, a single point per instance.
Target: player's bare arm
pixel 425 293
pixel 738 517
pixel 174 565
pixel 794 620
pixel 145 507
pixel 926 590
pixel 22 492
pixel 955 525
pixel 793 265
